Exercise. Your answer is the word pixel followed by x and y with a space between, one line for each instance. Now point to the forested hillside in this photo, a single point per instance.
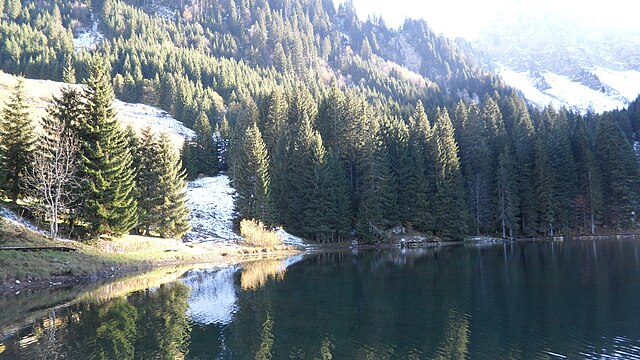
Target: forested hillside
pixel 329 125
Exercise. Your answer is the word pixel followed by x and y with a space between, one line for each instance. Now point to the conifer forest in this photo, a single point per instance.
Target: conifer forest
pixel 306 108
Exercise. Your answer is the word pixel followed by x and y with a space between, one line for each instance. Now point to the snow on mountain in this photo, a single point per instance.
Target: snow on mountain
pixel 570 62
pixel 547 88
pixel 40 92
pixel 140 115
pixel 88 39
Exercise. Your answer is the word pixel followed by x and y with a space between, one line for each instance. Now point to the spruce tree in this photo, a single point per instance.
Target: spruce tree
pixel 173 213
pixel 251 180
pixel 147 177
pixel 523 136
pixel 507 194
pixel 449 202
pixel 109 206
pixel 619 173
pixel 206 149
pixel 376 198
pixel 17 141
pixel 421 170
pixel 588 200
pixel 189 159
pixel 475 158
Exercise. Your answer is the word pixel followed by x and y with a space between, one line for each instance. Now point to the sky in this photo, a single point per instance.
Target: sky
pixel 465 18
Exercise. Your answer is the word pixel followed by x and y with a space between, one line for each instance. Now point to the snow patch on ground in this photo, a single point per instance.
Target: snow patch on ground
pixel 289 239
pixel 140 116
pixel 88 39
pixel 212 204
pixel 214 298
pixel 13 218
pixel 212 201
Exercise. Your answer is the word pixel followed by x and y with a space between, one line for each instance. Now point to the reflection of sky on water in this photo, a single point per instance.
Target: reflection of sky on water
pixel 213 297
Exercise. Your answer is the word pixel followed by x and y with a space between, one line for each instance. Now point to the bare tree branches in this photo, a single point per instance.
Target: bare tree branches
pixel 52 180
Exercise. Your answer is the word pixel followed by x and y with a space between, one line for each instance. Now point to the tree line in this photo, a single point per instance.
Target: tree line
pixel 84 169
pixel 339 167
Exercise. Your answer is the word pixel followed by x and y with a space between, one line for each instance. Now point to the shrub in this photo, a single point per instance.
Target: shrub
pixel 255 234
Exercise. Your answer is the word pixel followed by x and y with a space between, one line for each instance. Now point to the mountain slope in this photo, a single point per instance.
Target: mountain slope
pixel 563 62
pixel 39 93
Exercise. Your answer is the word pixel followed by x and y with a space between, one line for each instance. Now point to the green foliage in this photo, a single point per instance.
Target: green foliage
pixel 17 141
pixel 619 173
pixel 109 206
pixel 160 183
pixel 252 180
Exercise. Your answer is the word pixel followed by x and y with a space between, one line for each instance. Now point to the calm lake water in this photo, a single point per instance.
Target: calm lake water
pixel 534 300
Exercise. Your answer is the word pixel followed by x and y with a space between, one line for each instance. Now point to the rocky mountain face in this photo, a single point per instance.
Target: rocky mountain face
pixel 570 63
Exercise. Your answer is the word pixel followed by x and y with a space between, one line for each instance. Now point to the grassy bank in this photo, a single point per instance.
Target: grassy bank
pixel 107 257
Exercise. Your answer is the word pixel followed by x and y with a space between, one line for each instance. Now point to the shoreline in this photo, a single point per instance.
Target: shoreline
pixel 9 287
pixel 217 255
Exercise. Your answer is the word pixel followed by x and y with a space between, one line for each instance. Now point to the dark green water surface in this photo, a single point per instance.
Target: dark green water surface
pixel 533 300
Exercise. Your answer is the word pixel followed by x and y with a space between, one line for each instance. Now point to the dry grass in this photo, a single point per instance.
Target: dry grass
pixel 255 234
pixel 126 252
pixel 256 274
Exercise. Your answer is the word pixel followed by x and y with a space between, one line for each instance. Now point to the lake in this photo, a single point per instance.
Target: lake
pixel 527 300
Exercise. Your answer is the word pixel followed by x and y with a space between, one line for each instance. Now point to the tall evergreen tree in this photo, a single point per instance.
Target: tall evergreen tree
pixel 523 135
pixel 507 194
pixel 449 203
pixel 17 141
pixel 588 201
pixel 173 212
pixel 147 177
pixel 619 173
pixel 421 170
pixel 252 180
pixel 475 158
pixel 206 154
pixel 109 206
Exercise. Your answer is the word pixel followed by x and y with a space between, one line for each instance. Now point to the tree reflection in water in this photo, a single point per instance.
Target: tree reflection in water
pixel 150 324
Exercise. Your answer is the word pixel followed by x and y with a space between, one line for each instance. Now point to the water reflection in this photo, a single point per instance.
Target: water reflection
pixel 528 300
pixel 213 295
pixel 144 325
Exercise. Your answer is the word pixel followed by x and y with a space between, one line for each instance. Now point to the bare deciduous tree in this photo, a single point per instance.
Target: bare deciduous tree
pixel 51 180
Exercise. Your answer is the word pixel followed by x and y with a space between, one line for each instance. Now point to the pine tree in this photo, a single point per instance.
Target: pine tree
pixel 475 158
pixel 588 201
pixel 507 191
pixel 173 212
pixel 17 141
pixel 421 170
pixel 619 173
pixel 109 206
pixel 189 159
pixel 376 199
pixel 251 180
pixel 337 207
pixel 69 72
pixel 523 135
pixel 206 150
pixel 449 202
pixel 543 182
pixel 147 177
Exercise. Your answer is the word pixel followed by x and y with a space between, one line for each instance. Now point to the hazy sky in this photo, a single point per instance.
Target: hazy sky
pixel 466 17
